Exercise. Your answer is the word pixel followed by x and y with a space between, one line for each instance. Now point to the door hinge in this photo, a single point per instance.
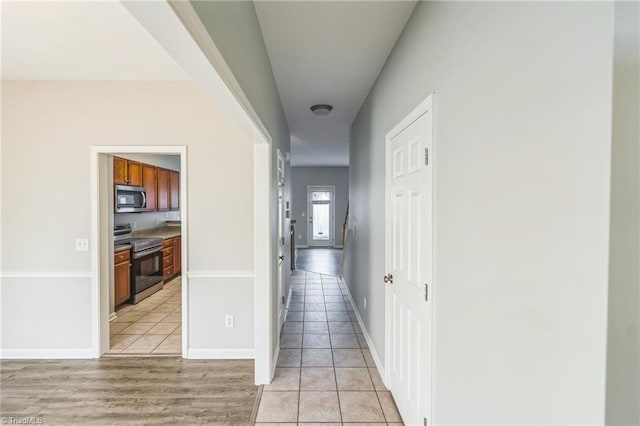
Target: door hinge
pixel 283 300
pixel 426 292
pixel 425 421
pixel 426 156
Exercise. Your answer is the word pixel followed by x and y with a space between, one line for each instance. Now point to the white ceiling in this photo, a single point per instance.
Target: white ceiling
pixel 83 40
pixel 327 52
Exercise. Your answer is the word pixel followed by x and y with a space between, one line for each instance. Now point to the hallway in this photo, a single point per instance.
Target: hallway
pixel 319 260
pixel 325 372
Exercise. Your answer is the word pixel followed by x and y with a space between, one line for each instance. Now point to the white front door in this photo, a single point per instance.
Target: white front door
pixel 321 213
pixel 408 245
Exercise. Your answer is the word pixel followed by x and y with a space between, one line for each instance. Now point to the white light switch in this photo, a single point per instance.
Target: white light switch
pixel 82 244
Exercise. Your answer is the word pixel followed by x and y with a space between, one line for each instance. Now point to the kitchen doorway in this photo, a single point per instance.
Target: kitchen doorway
pixel 139 242
pixel 321 211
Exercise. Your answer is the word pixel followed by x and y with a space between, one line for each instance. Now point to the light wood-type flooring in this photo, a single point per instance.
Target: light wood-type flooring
pixel 128 391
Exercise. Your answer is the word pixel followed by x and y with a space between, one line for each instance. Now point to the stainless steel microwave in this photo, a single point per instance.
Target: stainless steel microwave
pixel 130 199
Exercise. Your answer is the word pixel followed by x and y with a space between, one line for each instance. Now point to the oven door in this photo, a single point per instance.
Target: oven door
pixel 146 271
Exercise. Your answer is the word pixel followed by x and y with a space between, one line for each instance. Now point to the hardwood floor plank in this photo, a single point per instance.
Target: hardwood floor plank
pixel 129 391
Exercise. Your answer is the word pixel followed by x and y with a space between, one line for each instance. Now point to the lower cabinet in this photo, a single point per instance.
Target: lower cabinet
pixel 122 277
pixel 167 258
pixel 171 257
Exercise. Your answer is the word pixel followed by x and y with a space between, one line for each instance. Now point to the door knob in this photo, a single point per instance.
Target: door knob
pixel 281 257
pixel 388 278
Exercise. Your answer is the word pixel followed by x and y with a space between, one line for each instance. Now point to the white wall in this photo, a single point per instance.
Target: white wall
pixel 48 128
pixel 521 163
pixel 623 354
pixel 301 178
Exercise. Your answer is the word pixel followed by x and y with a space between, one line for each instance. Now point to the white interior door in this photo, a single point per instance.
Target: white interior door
pixel 409 265
pixel 321 214
pixel 280 260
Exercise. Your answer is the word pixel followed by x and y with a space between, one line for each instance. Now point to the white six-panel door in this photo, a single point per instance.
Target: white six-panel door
pixel 408 224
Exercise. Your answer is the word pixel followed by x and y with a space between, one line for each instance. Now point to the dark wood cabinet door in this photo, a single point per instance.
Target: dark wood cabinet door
pixel 150 183
pixel 177 255
pixel 174 185
pixel 135 173
pixel 119 171
pixel 122 282
pixel 163 189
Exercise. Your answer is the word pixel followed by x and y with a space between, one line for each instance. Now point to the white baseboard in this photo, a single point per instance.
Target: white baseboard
pixel 274 361
pixel 301 246
pixel 82 353
pixel 112 316
pixel 365 332
pixel 221 353
pixel 339 246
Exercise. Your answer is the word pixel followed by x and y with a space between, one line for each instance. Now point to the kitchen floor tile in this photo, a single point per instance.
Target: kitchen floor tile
pixel 316 327
pixel 319 407
pixel 389 408
pixel 289 358
pixel 291 341
pixel 317 358
pixel 164 328
pixel 278 407
pixel 353 379
pixel 348 358
pixel 360 407
pixel 316 341
pixel 138 328
pixel 285 379
pixel 317 379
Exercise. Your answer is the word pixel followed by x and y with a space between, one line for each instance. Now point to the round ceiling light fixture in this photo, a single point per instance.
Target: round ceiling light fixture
pixel 321 109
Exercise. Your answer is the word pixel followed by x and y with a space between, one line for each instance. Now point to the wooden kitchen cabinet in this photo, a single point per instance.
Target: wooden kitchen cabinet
pixel 177 255
pixel 167 259
pixel 122 277
pixel 127 172
pixel 163 189
pixel 174 190
pixel 150 183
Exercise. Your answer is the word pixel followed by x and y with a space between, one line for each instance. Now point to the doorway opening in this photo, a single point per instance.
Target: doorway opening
pixel 321 208
pixel 139 235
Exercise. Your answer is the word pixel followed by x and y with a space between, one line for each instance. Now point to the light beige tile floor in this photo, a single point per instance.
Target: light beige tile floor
pixel 153 326
pixel 325 373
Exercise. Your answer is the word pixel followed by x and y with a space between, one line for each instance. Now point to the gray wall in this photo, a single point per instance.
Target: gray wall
pixel 234 28
pixel 521 170
pixel 623 354
pixel 302 177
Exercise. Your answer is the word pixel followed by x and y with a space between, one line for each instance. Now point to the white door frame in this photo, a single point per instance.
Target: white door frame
pixel 419 111
pixel 332 219
pixel 280 265
pixel 102 243
pixel 264 318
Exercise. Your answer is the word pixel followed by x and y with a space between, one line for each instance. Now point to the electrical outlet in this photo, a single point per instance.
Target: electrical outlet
pixel 82 244
pixel 365 303
pixel 299 236
pixel 302 214
pixel 134 224
pixel 228 321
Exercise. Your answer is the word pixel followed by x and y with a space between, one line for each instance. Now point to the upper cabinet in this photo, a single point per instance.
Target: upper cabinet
pixel 174 190
pixel 150 183
pixel 163 189
pixel 127 172
pixel 162 185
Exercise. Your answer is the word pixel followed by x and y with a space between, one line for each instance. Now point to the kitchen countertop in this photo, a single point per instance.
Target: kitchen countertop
pixel 121 247
pixel 163 232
